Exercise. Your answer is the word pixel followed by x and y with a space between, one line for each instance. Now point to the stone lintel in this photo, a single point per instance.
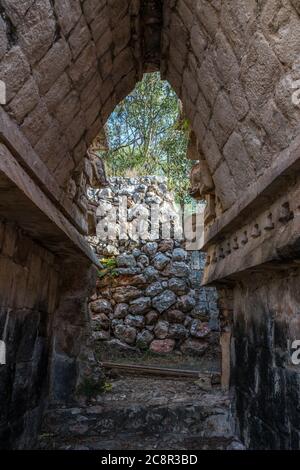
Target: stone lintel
pixel 258 195
pixel 13 138
pixel 23 202
pixel 265 234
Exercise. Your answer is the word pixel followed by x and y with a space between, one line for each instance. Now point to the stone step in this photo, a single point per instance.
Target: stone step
pixel 169 441
pixel 144 412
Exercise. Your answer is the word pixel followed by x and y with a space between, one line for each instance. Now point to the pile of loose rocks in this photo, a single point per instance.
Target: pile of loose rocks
pixel 154 300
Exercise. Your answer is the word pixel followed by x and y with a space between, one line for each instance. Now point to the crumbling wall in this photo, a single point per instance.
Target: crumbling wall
pixel 152 298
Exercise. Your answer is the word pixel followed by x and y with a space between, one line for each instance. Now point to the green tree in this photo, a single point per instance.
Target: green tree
pixel 148 135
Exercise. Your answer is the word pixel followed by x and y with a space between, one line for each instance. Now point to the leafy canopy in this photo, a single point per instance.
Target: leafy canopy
pixel 148 136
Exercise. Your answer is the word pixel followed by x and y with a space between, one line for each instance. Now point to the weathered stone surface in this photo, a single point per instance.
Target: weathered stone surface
pixel 141 305
pixel 164 301
pixel 176 316
pixel 179 286
pixel 126 294
pixel 154 289
pixel 160 261
pixel 137 321
pixel 126 333
pixel 144 339
pixel 165 346
pixel 199 329
pixel 150 248
pixel 126 261
pixel 179 254
pixel 161 330
pixel 194 347
pixel 14 71
pixel 151 317
pixel 101 306
pixel 177 331
pixel 186 303
pixel 120 311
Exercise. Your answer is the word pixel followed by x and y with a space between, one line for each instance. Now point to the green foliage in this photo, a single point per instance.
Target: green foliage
pixel 90 388
pixel 109 268
pixel 148 135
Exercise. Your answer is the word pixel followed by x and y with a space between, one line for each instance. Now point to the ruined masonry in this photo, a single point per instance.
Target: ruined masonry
pixel 235 65
pixel 152 299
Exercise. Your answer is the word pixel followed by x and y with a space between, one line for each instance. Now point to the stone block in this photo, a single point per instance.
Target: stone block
pixel 207 16
pixel 121 35
pixel 14 71
pixel 57 92
pixel 84 68
pixel 24 101
pixel 3 38
pixel 239 22
pixel 239 162
pixel 225 185
pixel 281 27
pixel 36 123
pixel 223 120
pixel 68 13
pixel 260 71
pixel 208 79
pixel 37 30
pixel 68 109
pixel 211 151
pixel 79 37
pixel 165 346
pixel 52 65
pixel 92 8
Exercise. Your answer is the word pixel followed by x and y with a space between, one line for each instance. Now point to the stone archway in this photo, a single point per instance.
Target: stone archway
pixel 234 65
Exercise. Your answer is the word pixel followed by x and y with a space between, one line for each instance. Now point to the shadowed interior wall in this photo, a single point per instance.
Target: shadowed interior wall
pixel 267 384
pixel 28 294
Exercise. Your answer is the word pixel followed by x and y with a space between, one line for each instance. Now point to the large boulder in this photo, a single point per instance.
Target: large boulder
pixel 126 261
pixel 161 329
pixel 126 333
pixel 186 303
pixel 100 322
pixel 194 347
pixel 137 321
pixel 151 317
pixel 164 301
pixel 154 289
pixel 121 311
pixel 199 329
pixel 175 316
pixel 179 254
pixel 101 306
pixel 177 331
pixel 151 274
pixel 177 269
pixel 166 245
pixel 143 339
pixel 140 305
pixel 160 261
pixel 126 294
pixel 150 248
pixel 165 346
pixel 179 286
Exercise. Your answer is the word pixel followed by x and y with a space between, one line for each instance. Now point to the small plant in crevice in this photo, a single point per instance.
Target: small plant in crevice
pixel 109 268
pixel 90 388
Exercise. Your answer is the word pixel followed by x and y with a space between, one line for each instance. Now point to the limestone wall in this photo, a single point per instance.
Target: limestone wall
pixel 29 282
pixel 267 383
pixel 233 64
pixel 152 299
